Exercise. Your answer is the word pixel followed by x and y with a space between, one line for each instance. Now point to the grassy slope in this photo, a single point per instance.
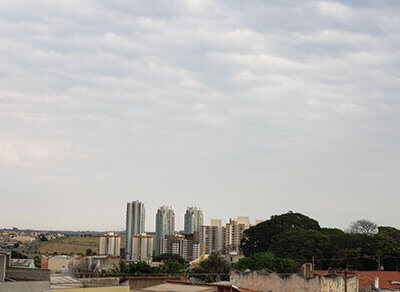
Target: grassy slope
pixel 67 245
pixel 71 244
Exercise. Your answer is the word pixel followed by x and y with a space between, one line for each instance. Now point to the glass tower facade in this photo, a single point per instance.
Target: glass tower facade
pixel 165 225
pixel 135 224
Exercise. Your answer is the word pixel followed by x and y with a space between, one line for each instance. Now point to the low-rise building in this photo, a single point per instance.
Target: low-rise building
pixel 21 279
pixel 95 263
pixel 374 280
pixel 24 263
pixel 55 263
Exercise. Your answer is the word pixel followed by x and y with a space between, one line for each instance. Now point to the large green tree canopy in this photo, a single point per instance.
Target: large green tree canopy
pixel 259 238
pixel 298 237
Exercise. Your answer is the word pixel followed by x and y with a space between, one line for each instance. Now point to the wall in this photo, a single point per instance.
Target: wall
pixel 97 289
pixel 331 283
pixel 2 267
pixel 149 281
pixel 57 262
pixel 28 274
pixel 88 282
pixel 25 286
pixel 271 282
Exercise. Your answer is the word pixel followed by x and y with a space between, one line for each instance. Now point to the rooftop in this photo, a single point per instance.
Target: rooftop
pixel 387 279
pixel 171 287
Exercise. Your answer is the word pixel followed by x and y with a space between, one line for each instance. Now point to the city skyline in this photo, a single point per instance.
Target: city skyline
pixel 243 109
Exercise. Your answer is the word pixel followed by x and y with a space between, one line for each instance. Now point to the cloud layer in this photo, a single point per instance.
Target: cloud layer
pixel 249 108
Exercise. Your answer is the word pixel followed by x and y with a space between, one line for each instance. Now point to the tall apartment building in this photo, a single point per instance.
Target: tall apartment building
pixel 193 220
pixel 243 220
pixel 142 248
pixel 165 225
pixel 233 236
pixel 110 244
pixel 187 248
pixel 212 239
pixel 216 222
pixel 135 220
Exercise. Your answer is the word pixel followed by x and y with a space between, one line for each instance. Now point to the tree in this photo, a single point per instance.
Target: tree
pixel 139 268
pixel 363 226
pixel 43 238
pixel 259 238
pixel 17 255
pixel 213 269
pixel 169 257
pixel 265 260
pixel 363 246
pixel 171 267
pixel 300 244
pixel 89 252
pixel 122 268
pixel 84 268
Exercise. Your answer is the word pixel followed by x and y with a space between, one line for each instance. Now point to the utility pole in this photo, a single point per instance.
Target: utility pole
pixel 345 277
pixel 378 260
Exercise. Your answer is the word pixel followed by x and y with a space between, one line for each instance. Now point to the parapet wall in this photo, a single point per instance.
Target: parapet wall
pixel 149 281
pixel 93 282
pixel 28 274
pixel 25 286
pixel 273 282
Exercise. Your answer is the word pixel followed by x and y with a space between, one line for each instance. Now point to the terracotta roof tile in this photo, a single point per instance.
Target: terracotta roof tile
pixel 367 278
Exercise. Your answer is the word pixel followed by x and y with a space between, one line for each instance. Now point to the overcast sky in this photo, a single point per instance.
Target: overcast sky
pixel 239 107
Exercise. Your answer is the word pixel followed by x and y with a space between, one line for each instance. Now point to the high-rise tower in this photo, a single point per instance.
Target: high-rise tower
pixel 165 225
pixel 193 220
pixel 135 219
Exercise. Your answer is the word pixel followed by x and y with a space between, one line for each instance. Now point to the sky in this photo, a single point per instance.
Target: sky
pixel 243 108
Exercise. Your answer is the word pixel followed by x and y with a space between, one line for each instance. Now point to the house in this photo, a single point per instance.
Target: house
pixel 21 279
pixel 23 263
pixel 378 280
pixel 375 280
pixel 55 263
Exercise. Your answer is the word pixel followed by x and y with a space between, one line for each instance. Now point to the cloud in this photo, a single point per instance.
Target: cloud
pixel 192 102
pixel 334 9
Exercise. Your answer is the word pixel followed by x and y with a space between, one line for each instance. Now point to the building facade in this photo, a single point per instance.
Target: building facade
pixel 135 224
pixel 264 281
pixel 187 248
pixel 193 220
pixel 216 222
pixel 165 225
pixel 212 239
pixel 110 244
pixel 233 236
pixel 142 248
pixel 243 220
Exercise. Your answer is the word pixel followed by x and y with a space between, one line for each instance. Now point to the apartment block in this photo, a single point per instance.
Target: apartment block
pixel 212 239
pixel 142 248
pixel 187 248
pixel 110 244
pixel 233 236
